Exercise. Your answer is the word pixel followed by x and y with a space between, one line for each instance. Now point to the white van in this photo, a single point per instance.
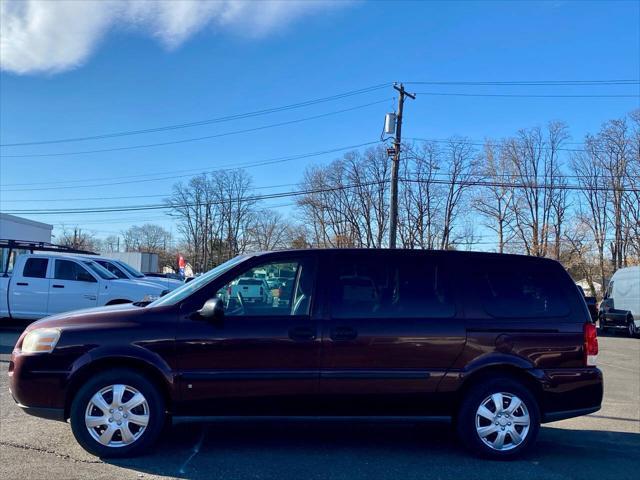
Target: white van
pixel 620 307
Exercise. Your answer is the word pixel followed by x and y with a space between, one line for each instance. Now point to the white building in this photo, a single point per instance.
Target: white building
pixel 141 261
pixel 23 229
pixel 18 228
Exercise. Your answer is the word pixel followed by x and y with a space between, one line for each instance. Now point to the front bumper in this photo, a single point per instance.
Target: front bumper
pixel 42 412
pixel 37 386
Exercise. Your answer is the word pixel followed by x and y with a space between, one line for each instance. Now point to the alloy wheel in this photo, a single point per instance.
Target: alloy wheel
pixel 117 415
pixel 502 421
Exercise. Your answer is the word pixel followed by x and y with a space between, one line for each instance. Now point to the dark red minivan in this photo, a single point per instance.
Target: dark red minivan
pixel 497 343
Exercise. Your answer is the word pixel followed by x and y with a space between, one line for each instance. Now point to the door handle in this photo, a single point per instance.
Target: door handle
pixel 22 284
pixel 343 334
pixel 302 333
pixel 90 297
pixel 55 285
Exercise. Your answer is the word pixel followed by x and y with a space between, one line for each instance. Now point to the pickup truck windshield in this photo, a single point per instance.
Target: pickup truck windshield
pixel 132 271
pixel 187 289
pixel 100 270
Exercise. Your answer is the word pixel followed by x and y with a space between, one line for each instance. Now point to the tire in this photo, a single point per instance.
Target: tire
pixel 603 329
pixel 129 437
pixel 470 423
pixel 120 301
pixel 632 330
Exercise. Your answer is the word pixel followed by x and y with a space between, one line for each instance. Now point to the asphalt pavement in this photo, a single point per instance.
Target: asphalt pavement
pixel 603 445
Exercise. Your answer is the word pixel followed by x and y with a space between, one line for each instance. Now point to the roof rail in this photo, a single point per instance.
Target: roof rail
pixel 40 247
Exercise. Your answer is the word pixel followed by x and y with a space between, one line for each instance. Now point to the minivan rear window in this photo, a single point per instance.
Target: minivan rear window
pixel 521 293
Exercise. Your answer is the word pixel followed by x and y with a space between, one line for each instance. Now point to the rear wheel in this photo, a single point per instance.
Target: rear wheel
pixel 601 324
pixel 631 327
pixel 498 419
pixel 118 413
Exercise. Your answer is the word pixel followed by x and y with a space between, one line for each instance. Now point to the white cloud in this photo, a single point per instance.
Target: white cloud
pixel 54 36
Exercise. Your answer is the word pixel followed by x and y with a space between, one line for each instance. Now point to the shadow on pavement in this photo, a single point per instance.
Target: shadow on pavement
pixel 353 451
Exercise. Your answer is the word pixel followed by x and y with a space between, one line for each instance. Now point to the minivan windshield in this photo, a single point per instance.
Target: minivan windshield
pixel 187 289
pixel 130 269
pixel 100 270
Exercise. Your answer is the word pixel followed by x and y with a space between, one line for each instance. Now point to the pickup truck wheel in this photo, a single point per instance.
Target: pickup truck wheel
pixel 498 419
pixel 601 325
pixel 120 301
pixel 118 413
pixel 631 327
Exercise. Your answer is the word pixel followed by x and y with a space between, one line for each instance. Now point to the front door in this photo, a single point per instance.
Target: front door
pixel 392 333
pixel 262 357
pixel 71 288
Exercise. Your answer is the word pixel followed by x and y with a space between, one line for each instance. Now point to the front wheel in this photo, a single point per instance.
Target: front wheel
pixel 498 419
pixel 117 413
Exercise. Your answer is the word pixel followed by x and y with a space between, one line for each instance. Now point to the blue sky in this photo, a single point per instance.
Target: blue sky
pixel 130 79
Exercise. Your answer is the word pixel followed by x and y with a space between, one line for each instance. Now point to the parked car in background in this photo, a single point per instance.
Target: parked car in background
pixel 498 343
pixel 620 308
pixel 47 284
pixel 123 270
pixel 251 290
pixel 592 304
pixel 173 276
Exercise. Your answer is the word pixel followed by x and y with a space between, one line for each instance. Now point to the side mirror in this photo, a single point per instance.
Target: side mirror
pixel 213 309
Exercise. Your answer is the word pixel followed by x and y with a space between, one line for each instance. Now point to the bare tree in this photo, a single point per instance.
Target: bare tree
pixel 213 214
pixel 537 169
pixel 111 244
pixel 346 202
pixel 148 237
pixel 77 238
pixel 420 197
pixel 494 201
pixel 461 172
pixel 269 230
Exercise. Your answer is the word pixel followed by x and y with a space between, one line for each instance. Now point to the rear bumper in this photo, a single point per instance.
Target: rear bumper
pixel 564 414
pixel 568 393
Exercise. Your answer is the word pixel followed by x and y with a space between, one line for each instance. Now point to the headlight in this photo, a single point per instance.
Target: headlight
pixel 41 340
pixel 150 298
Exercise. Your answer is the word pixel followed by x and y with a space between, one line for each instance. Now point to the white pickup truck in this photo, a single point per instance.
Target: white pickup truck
pixel 45 284
pixel 125 271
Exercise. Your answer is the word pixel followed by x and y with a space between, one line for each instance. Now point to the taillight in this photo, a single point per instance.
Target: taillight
pixel 590 344
pixel 229 290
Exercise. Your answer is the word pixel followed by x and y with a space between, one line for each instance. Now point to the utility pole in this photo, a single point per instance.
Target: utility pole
pixel 395 167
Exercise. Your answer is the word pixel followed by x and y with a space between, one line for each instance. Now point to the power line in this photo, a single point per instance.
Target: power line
pixel 210 121
pixel 235 166
pixel 206 137
pixel 517 95
pixel 634 81
pixel 477 143
pixel 468 183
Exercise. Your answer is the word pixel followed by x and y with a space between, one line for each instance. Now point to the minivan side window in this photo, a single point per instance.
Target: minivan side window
pixel 271 289
pixel 35 268
pixel 68 270
pixel 402 287
pixel 521 293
